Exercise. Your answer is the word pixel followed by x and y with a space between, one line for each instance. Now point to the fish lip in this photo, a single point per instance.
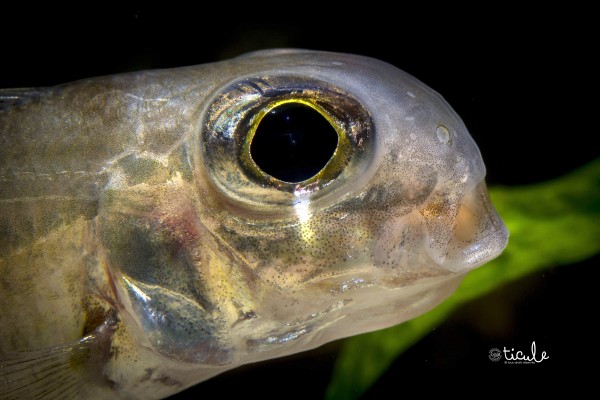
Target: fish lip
pixel 476 256
pixel 483 248
pixel 499 233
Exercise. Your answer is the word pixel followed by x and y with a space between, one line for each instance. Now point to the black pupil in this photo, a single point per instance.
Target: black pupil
pixel 293 142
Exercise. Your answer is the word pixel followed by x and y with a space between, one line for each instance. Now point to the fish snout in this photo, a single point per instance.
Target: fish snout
pixel 473 237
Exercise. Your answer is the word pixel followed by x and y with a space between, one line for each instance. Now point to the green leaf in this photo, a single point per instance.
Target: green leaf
pixel 552 223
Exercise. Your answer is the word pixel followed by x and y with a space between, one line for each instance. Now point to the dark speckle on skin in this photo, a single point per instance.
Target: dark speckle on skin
pixel 159 378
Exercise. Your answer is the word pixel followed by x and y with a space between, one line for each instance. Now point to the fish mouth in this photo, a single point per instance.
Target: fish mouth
pixel 477 234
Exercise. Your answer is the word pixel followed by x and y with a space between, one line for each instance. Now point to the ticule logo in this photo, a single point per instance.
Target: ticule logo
pixel 518 357
pixel 495 354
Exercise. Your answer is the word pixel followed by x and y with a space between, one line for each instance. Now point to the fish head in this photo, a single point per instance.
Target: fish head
pixel 253 256
pixel 388 226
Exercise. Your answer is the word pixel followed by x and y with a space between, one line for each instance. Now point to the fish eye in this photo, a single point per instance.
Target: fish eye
pixel 268 140
pixel 292 141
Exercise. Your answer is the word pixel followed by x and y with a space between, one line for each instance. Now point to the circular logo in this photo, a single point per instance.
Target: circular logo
pixel 495 354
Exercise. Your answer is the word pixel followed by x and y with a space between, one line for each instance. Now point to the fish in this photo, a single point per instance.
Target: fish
pixel 161 227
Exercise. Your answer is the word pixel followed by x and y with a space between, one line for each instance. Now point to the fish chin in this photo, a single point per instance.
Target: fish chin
pixel 354 307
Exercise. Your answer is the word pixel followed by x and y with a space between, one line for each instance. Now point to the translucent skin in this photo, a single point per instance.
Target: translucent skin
pixel 138 246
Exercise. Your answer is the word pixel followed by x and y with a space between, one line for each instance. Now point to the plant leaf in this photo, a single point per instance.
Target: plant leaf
pixel 551 223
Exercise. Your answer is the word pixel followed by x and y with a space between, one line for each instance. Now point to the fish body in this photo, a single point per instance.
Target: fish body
pixel 143 248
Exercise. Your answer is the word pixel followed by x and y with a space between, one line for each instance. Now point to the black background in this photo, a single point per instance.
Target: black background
pixel 523 81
